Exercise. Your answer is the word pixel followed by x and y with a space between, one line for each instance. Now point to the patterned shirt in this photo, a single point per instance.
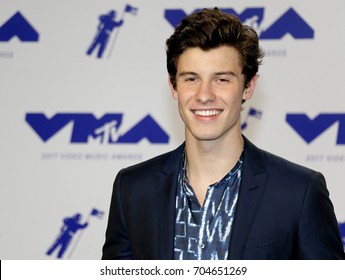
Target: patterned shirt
pixel 203 232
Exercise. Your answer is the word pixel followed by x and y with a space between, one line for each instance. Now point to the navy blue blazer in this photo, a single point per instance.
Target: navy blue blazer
pixel 283 211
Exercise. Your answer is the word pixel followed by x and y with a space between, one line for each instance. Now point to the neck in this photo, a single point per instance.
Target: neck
pixel 209 161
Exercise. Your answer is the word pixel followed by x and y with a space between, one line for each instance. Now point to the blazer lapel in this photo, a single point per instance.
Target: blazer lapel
pixel 253 182
pixel 166 186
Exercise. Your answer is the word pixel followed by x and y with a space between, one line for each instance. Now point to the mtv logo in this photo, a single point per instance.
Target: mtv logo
pixel 18 26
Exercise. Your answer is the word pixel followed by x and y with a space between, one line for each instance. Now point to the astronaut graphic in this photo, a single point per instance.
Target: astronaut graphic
pixel 106 27
pixel 70 233
pixel 70 226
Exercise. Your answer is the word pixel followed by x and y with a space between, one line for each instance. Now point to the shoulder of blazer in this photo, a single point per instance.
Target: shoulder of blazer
pixel 166 163
pixel 263 161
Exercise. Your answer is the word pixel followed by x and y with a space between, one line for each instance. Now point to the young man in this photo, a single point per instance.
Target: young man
pixel 218 196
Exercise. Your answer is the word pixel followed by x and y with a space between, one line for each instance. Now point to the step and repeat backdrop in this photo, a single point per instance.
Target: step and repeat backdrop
pixel 84 93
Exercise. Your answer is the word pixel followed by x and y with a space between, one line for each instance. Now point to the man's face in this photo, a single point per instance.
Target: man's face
pixel 209 90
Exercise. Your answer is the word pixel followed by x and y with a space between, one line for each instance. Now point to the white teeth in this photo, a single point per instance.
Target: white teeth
pixel 207 113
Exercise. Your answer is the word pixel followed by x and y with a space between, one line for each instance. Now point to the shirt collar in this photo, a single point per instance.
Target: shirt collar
pixel 185 181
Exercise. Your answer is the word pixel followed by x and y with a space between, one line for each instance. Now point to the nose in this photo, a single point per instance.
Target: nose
pixel 205 93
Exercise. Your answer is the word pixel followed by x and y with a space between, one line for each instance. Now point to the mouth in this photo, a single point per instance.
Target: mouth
pixel 207 113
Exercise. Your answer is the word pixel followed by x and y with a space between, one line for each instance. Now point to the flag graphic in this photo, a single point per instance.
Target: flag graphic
pixel 255 113
pixel 131 9
pixel 97 213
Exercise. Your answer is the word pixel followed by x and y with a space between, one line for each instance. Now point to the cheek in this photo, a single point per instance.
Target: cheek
pixel 182 95
pixel 233 99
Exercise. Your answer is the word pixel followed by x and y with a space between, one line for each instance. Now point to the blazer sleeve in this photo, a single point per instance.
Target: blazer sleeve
pixel 116 244
pixel 319 236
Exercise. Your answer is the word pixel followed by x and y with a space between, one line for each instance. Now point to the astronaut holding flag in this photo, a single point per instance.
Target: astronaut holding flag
pixel 108 24
pixel 72 229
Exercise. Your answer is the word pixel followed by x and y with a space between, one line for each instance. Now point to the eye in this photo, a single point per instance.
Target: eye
pixel 190 79
pixel 223 80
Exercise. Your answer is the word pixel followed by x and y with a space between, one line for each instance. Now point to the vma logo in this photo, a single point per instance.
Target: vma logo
pixel 87 128
pixel 18 26
pixel 290 22
pixel 310 129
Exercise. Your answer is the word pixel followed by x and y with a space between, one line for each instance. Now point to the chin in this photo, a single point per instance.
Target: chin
pixel 206 137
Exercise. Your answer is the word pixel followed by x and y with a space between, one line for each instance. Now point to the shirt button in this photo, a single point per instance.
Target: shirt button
pixel 202 246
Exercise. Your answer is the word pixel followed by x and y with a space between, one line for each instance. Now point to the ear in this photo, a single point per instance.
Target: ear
pixel 249 89
pixel 172 88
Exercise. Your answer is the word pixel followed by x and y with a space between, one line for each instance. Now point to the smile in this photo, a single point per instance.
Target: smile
pixel 207 113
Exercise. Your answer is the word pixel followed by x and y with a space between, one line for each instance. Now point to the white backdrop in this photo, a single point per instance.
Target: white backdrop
pixel 51 89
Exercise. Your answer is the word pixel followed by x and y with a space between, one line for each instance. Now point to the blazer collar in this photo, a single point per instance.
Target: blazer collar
pixel 253 182
pixel 166 186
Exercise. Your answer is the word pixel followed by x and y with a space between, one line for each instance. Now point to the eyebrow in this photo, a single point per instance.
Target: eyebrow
pixel 225 73
pixel 215 74
pixel 187 73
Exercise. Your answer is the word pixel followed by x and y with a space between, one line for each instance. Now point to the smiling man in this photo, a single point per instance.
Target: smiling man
pixel 218 196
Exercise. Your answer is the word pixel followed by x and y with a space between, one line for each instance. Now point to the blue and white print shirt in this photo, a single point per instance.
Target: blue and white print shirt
pixel 203 232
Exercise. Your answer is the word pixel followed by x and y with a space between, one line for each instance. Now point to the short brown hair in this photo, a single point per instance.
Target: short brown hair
pixel 209 29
